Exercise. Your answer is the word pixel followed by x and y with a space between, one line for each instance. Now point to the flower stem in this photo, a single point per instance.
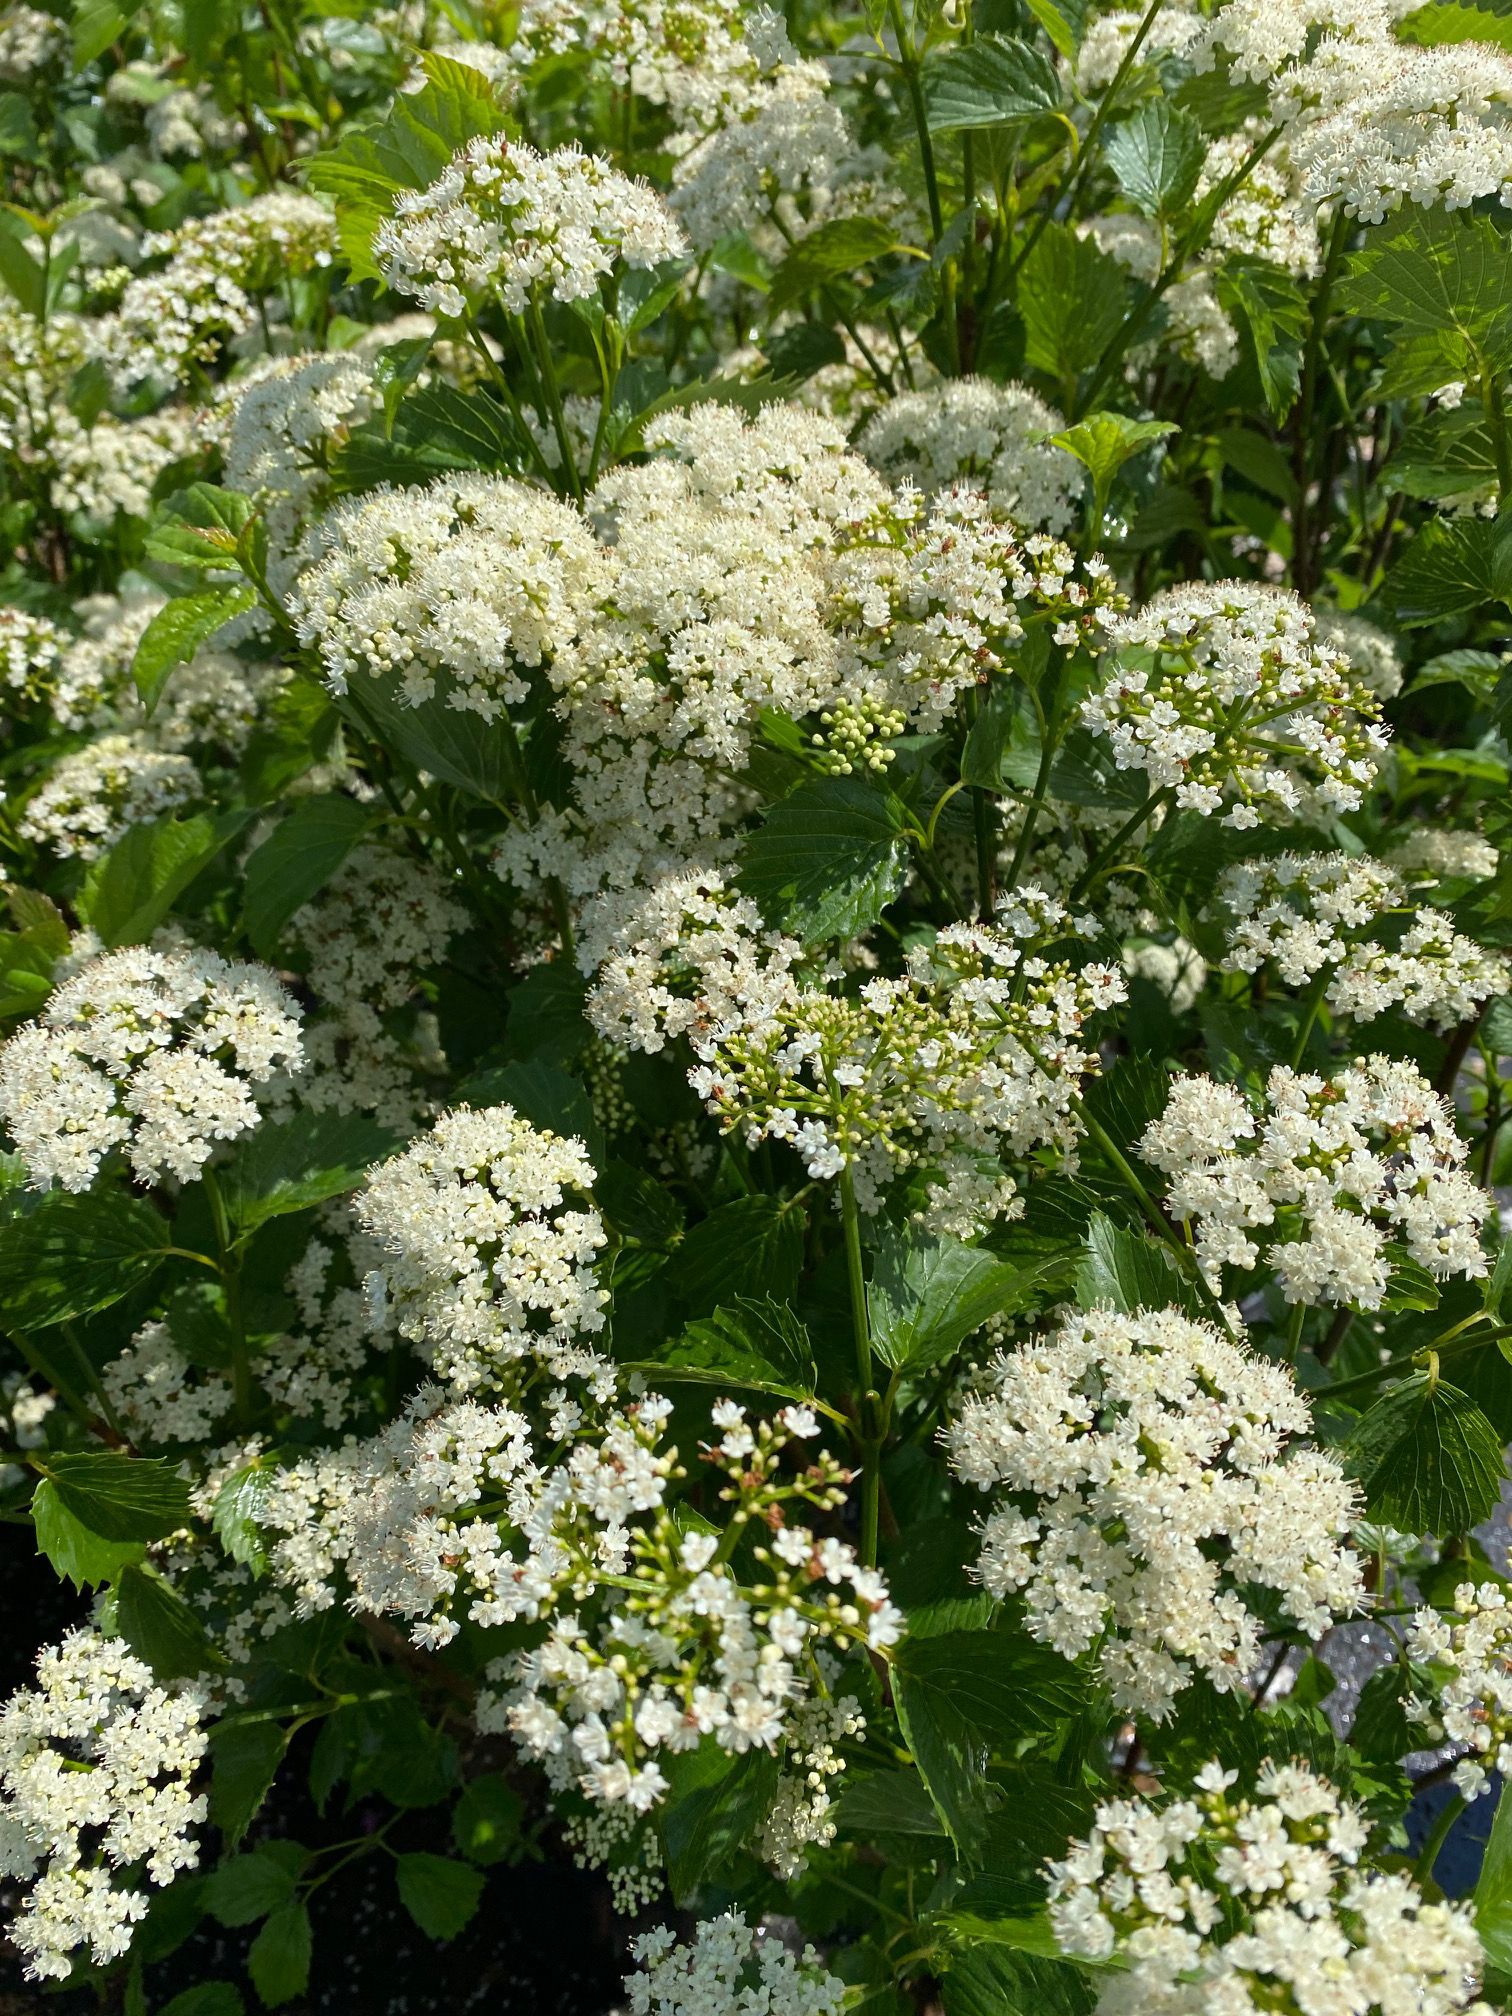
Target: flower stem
pixel 242 1389
pixel 1442 1828
pixel 867 1399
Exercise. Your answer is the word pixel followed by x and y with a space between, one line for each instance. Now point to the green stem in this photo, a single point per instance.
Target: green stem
pixel 1422 1869
pixel 984 827
pixel 1446 1346
pixel 554 399
pixel 1048 745
pixel 867 1399
pixel 243 1391
pixel 1495 403
pixel 909 61
pixel 1301 462
pixel 1098 866
pixel 1312 1003
pixel 1294 1331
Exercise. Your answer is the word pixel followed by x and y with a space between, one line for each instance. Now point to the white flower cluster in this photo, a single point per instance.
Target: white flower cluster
pixel 381 919
pixel 504 219
pixel 972 432
pixel 1468 1655
pixel 727 1970
pixel 489 1247
pixel 1334 1170
pixel 30 648
pixel 1302 913
pixel 1196 326
pixel 1224 1904
pixel 687 1651
pixel 801 1815
pixel 1151 1469
pixel 29 41
pixel 787 139
pixel 96 1763
pixel 1440 853
pixel 1375 656
pixel 476 577
pixel 175 318
pixel 1371 122
pixel 972 1056
pixel 1224 692
pixel 90 798
pixel 159 1054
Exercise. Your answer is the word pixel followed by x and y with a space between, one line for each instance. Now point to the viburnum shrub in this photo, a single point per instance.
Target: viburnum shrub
pixel 756 1043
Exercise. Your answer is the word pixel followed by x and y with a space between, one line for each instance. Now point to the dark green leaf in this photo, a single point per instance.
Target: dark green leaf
pixel 927 1295
pixel 296 861
pixel 1437 273
pixel 707 1818
pixel 1272 311
pixel 73 1254
pixel 78 1555
pixel 279 1961
pixel 206 1998
pixel 1428 1459
pixel 120 1497
pixel 992 81
pixel 244 1756
pixel 248 1887
pixel 128 893
pixel 841 246
pixel 1157 156
pixel 753 1248
pixel 994 1981
pixel 1072 298
pixel 1124 1270
pixel 757 1345
pixel 829 859
pixel 887 1802
pixel 161 1628
pixel 295 731
pixel 440 1894
pixel 451 743
pixel 1452 567
pixel 487 1821
pixel 637 1205
pixel 1492 1901
pixel 288 1165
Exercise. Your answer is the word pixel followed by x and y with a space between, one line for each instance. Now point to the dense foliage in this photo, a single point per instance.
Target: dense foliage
pixel 755 780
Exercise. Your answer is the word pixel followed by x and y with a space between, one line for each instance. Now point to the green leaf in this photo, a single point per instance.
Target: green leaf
pixel 79 1556
pixel 1123 1270
pixel 18 129
pixel 248 1887
pixel 1441 274
pixel 206 1998
pixel 22 274
pixel 1272 311
pixel 829 859
pixel 451 743
pixel 296 861
pixel 995 1981
pixel 440 1894
pixel 1428 1459
pixel 1157 156
pixel 842 246
pixel 177 631
pixel 98 23
pixel 244 1758
pixel 237 1515
pixel 1446 21
pixel 752 1247
pixel 128 893
pixel 279 1961
pixel 887 1802
pixel 547 1097
pixel 288 1165
pixel 992 81
pixel 408 149
pixel 1453 567
pixel 927 1295
pixel 487 1822
pixel 756 1345
pixel 1072 298
pixel 963 1697
pixel 637 1205
pixel 1492 1898
pixel 715 1803
pixel 1064 21
pixel 120 1497
pixel 73 1254
pixel 201 528
pixel 435 428
pixel 1103 442
pixel 295 731
pixel 161 1628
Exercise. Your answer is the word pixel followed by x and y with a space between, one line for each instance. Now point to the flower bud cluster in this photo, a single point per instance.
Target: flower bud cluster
pixel 1468 1655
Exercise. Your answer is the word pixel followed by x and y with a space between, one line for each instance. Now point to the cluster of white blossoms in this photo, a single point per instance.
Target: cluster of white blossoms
pixel 974 433
pixel 1196 326
pixel 683 1650
pixel 285 417
pixel 1223 692
pixel 1152 1468
pixel 783 144
pixel 158 1054
pixel 30 649
pixel 802 1813
pixel 1264 217
pixel 159 1396
pixel 1376 656
pixel 1332 1170
pixel 381 919
pixel 96 1763
pixel 1444 854
pixel 176 318
pixel 972 1056
pixel 90 798
pixel 727 1970
pixel 489 1247
pixel 108 469
pixel 1371 122
pixel 1221 1903
pixel 29 41
pixel 1468 1656
pixel 1304 913
pixel 506 220
pixel 477 578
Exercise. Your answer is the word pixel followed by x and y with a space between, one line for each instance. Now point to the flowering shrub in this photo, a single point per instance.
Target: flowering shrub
pixel 755 1045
